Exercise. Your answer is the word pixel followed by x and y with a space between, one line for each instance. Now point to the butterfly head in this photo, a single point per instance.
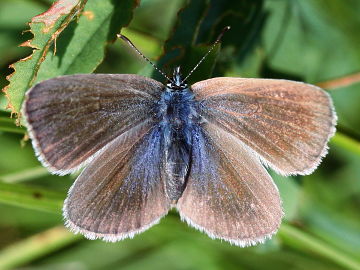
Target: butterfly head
pixel 177 82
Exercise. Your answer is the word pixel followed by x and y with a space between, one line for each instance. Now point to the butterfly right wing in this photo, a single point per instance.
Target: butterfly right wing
pixel 287 124
pixel 70 118
pixel 229 195
pixel 121 192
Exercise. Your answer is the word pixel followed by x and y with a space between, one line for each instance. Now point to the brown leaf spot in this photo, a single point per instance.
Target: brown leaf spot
pixel 50 16
pixel 89 14
pixel 37 195
pixel 24 140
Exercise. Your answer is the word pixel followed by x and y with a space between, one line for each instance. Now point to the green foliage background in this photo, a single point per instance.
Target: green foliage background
pixel 307 40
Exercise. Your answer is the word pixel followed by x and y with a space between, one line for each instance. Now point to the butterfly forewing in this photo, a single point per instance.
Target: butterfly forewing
pixel 121 192
pixel 70 118
pixel 229 195
pixel 286 123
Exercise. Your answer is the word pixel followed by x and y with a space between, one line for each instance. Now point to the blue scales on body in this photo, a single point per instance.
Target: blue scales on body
pixel 178 118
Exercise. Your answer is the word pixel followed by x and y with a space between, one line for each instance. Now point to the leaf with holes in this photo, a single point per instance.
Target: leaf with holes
pixel 79 49
pixel 45 27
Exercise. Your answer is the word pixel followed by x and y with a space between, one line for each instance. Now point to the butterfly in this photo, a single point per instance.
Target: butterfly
pixel 202 149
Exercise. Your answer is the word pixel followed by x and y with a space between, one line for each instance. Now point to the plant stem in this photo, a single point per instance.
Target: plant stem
pixel 31 197
pixel 346 142
pixel 8 125
pixel 295 238
pixel 340 82
pixel 25 175
pixel 36 246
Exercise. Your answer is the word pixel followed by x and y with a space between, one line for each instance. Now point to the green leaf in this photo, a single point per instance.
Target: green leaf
pixel 200 23
pixel 8 125
pixel 79 49
pixel 290 195
pixel 45 27
pixel 298 239
pixel 31 197
pixel 14 157
pixel 346 142
pixel 181 47
pixel 13 16
pixel 25 175
pixel 36 246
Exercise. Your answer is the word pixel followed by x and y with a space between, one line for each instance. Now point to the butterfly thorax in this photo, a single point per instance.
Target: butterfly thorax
pixel 177 117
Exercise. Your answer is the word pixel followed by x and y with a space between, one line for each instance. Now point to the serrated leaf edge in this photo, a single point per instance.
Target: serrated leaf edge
pixel 75 11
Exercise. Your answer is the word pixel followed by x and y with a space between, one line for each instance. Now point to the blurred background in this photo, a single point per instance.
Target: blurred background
pixel 315 41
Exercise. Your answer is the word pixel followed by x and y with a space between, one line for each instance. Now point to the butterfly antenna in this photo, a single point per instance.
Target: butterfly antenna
pixel 143 56
pixel 225 29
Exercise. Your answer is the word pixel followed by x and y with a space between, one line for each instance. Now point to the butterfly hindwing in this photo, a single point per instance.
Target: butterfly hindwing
pixel 121 192
pixel 70 118
pixel 229 195
pixel 286 123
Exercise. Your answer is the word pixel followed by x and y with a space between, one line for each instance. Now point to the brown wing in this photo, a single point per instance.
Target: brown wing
pixel 229 194
pixel 287 123
pixel 121 192
pixel 70 118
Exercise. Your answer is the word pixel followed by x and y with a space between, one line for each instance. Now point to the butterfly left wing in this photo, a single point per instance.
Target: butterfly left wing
pixel 121 192
pixel 71 118
pixel 229 195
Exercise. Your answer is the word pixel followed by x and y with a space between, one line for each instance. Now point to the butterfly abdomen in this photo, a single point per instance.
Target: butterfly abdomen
pixel 176 115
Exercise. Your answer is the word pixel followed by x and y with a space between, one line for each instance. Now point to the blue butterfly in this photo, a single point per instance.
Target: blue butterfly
pixel 148 147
